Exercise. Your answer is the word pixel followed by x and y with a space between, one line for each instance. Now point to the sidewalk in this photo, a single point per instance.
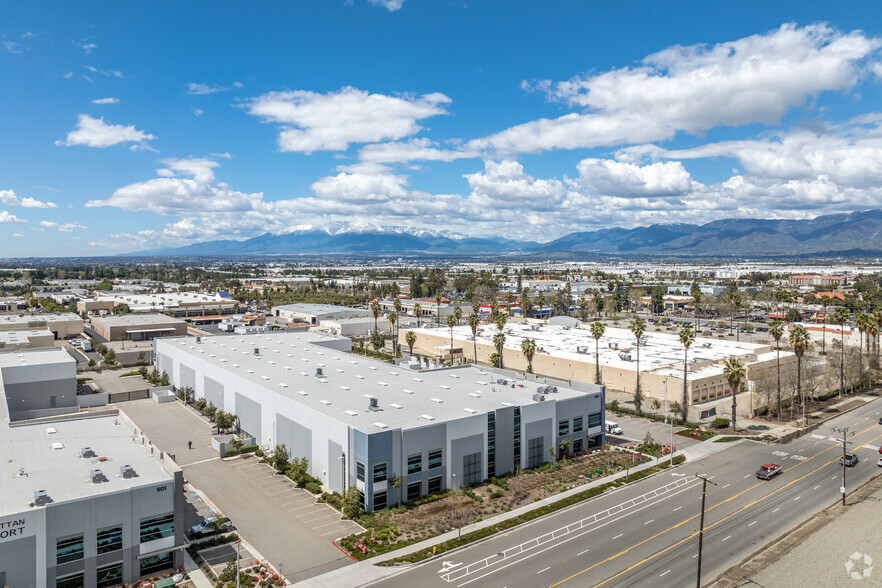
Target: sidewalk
pixel 365 572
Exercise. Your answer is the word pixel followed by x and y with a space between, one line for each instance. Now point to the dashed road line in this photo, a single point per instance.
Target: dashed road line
pixel 544 570
pixel 678 508
pixel 752 524
pixel 583 552
pixel 777 509
pixel 619 535
pixel 649 521
pixel 663 573
pixel 726 486
pixel 727 538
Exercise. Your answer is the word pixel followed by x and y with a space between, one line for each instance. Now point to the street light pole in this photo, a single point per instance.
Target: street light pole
pixel 238 544
pixel 704 481
pixel 845 442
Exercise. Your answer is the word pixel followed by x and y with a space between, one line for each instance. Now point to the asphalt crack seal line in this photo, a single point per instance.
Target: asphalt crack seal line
pixel 680 524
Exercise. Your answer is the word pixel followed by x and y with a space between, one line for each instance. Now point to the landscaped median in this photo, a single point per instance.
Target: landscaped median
pixel 380 545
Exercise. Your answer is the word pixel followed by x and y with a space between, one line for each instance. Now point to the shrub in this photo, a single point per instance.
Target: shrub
pixel 258 452
pixel 721 423
pixel 313 487
pixel 230 453
pixel 251 449
pixel 496 494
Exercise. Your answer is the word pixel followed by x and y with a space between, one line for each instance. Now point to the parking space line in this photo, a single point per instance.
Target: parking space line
pixel 325 525
pixel 330 514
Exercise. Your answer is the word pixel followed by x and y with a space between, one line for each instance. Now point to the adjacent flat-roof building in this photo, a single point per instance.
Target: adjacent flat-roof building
pixel 569 353
pixel 313 314
pixel 355 327
pixel 62 325
pixel 361 421
pixel 12 304
pixel 137 327
pixel 179 304
pixel 29 339
pixel 83 501
pixel 429 308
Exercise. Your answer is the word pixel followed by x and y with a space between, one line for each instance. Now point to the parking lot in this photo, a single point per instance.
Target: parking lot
pixel 635 429
pixel 283 523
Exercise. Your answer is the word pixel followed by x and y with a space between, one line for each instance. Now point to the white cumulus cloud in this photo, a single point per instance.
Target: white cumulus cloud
pixel 7 217
pixel 330 122
pixel 390 5
pixel 9 198
pixel 94 132
pixel 106 101
pixel 617 178
pixel 203 89
pixel 63 227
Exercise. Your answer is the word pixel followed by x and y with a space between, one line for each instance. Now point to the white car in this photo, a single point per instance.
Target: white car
pixel 879 462
pixel 204 527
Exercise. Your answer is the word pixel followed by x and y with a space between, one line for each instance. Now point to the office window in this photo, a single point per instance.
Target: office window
pixel 157 528
pixel 359 471
pixel 415 464
pixel 361 499
pixel 414 490
pixel 517 439
pixel 491 444
pixel 109 540
pixel 471 469
pixel 577 445
pixel 535 452
pixel 434 459
pixel 156 563
pixel 563 428
pixel 379 472
pixel 70 549
pixel 594 420
pixel 577 424
pixel 379 500
pixel 109 576
pixel 434 485
pixel 72 581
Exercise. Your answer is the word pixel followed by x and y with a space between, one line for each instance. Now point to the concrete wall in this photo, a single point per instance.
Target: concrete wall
pixel 33 387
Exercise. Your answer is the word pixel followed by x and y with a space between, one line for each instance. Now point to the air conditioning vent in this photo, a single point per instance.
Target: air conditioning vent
pixel 41 498
pixel 86 452
pixel 127 471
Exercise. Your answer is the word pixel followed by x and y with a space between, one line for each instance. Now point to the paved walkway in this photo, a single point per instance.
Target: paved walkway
pixel 365 571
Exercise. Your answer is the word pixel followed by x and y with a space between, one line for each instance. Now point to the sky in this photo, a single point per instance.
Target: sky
pixel 133 125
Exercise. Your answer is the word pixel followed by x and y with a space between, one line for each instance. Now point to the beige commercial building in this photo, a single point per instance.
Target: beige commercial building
pixel 30 339
pixel 63 325
pixel 569 354
pixel 180 304
pixel 137 327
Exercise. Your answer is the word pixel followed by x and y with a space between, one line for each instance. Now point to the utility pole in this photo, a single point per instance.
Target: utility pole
pixel 845 442
pixel 704 481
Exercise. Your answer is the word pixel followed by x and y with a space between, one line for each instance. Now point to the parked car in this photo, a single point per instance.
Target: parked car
pixel 613 428
pixel 850 460
pixel 768 470
pixel 879 462
pixel 206 527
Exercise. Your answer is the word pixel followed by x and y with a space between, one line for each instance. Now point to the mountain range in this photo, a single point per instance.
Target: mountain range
pixel 857 233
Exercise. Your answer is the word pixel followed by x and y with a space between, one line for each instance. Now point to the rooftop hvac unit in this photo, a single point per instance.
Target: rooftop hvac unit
pixel 373 405
pixel 552 389
pixel 613 345
pixel 319 373
pixel 538 398
pixel 625 356
pixel 502 381
pixel 96 476
pixel 127 471
pixel 41 498
pixel 540 389
pixel 705 344
pixel 257 351
pixel 581 349
pixel 87 452
pixel 198 339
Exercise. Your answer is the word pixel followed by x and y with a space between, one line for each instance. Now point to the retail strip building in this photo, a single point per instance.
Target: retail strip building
pixel 362 422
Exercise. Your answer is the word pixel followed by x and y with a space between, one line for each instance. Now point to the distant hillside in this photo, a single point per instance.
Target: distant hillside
pixel 834 234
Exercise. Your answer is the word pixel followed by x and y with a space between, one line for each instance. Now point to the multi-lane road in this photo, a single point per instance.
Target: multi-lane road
pixel 646 533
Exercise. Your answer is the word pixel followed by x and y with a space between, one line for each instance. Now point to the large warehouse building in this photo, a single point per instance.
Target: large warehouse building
pixel 63 324
pixel 313 314
pixel 569 354
pixel 137 327
pixel 361 421
pixel 83 501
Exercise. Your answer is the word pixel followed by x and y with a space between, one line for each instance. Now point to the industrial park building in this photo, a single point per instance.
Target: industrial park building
pixel 85 500
pixel 313 314
pixel 180 304
pixel 28 339
pixel 569 353
pixel 62 324
pixel 137 327
pixel 363 422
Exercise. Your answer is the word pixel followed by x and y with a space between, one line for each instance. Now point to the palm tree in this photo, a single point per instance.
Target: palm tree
pixel 687 338
pixel 375 309
pixel 451 322
pixel 476 305
pixel 860 321
pixel 840 317
pixel 736 304
pixel 417 310
pixel 499 341
pixel 438 307
pixel 597 330
pixel 872 332
pixel 509 299
pixel 500 324
pixel 734 371
pixel 877 316
pixel 598 303
pixel 583 307
pixel 824 302
pixel 540 302
pixel 474 321
pixel 410 338
pixel 799 342
pixel 528 348
pixel 776 330
pixel 638 327
pixel 392 316
pixel 695 292
pixel 457 312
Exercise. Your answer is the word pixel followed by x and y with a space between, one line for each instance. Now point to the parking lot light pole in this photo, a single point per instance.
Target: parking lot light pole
pixel 845 442
pixel 238 544
pixel 704 481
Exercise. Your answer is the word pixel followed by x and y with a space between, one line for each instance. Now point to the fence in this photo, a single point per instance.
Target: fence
pixel 115 397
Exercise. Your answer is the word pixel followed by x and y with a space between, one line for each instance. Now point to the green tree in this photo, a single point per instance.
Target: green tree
pixel 280 458
pixel 418 311
pixel 410 338
pixel 163 379
pixel 776 330
pixel 110 359
pixel 451 322
pixel 499 339
pixel 393 317
pixel 597 330
pixel 597 299
pixel 298 471
pixel 352 506
pixel 375 310
pixel 528 348
pixel 638 327
pixel 237 443
pixel 799 342
pixel 734 372
pixel 378 341
pixel 687 338
pixel 474 320
pixel 395 482
pixel 695 292
pixel 224 420
pixel 122 308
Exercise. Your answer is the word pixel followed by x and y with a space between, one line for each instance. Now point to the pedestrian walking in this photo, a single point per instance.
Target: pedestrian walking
pixel 189 444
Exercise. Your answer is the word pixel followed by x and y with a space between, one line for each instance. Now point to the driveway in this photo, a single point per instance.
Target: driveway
pixel 635 429
pixel 283 523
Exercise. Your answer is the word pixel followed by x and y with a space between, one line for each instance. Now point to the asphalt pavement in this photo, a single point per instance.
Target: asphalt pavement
pixel 646 533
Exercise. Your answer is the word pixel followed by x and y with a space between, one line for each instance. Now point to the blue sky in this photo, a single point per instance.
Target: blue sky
pixel 126 126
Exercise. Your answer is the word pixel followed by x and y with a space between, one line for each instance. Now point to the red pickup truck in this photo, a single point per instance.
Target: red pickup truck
pixel 767 471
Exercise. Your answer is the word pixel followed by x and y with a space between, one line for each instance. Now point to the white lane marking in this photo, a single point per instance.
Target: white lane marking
pixel 798 497
pixel 747 476
pixel 649 521
pixel 816 487
pixel 581 552
pixel 729 537
pixel 619 535
pixel 777 509
pixel 663 573
pixel 678 508
pixel 694 556
pixel 816 442
pixel 833 478
pixel 752 524
pixel 544 570
pixel 726 486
